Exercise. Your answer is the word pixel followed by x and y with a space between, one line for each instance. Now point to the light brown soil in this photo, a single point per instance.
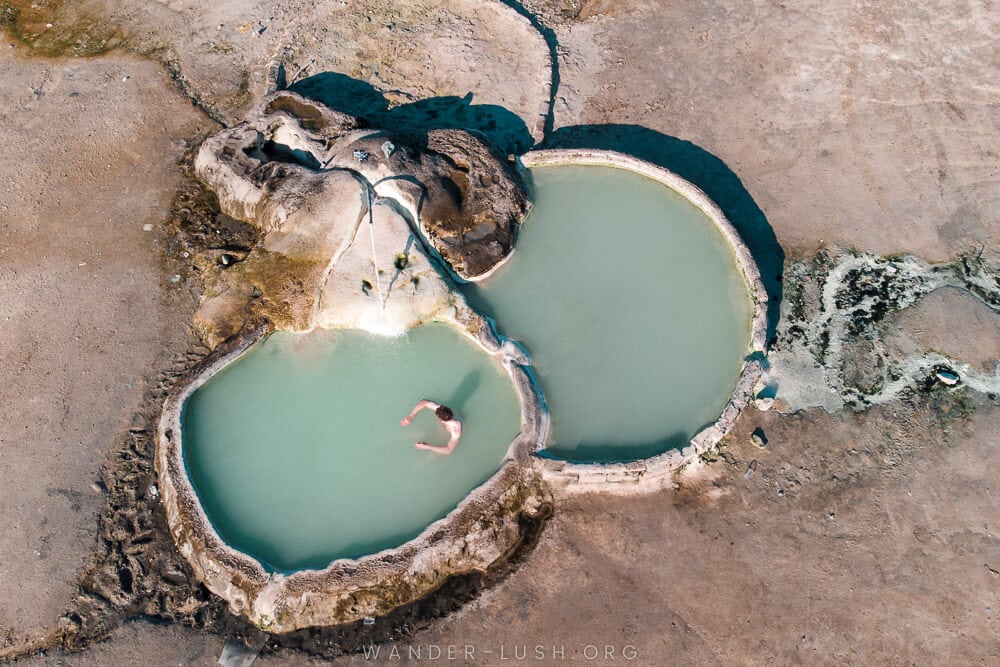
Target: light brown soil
pixel 141 643
pixel 949 322
pixel 86 314
pixel 864 125
pixel 867 125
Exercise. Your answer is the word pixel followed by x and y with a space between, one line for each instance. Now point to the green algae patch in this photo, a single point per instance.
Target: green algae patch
pixel 287 282
pixel 55 28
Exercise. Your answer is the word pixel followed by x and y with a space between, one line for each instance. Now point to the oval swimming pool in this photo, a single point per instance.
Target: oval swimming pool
pixel 633 307
pixel 298 457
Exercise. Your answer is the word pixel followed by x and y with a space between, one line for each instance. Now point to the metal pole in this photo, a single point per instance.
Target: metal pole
pixel 371 234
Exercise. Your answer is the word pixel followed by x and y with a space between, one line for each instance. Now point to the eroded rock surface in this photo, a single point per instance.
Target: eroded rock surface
pixel 468 203
pixel 838 345
pixel 353 228
pixel 325 194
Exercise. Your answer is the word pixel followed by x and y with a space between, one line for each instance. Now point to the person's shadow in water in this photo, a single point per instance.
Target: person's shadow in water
pixel 464 391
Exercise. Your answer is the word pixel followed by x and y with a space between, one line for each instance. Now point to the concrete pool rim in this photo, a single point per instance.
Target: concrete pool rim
pixel 653 473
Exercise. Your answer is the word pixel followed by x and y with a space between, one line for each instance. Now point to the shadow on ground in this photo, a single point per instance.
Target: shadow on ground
pixel 552 44
pixel 503 130
pixel 507 133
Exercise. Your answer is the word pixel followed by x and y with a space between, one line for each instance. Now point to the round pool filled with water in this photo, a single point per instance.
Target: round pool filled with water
pixel 298 457
pixel 633 308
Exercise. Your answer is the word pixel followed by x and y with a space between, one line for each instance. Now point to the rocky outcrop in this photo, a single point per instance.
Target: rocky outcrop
pixel 478 231
pixel 308 178
pixel 468 204
pixel 354 230
pixel 841 340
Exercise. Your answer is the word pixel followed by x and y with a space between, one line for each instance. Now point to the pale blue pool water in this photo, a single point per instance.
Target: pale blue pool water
pixel 633 308
pixel 296 451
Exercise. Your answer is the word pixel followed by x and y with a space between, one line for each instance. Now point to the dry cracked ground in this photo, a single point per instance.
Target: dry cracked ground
pixel 869 535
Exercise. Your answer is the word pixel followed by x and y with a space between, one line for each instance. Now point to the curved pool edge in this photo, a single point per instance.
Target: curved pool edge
pixel 484 529
pixel 656 472
pixel 487 526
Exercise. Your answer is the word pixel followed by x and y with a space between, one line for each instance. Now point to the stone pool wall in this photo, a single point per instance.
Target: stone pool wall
pixel 492 521
pixel 480 534
pixel 655 472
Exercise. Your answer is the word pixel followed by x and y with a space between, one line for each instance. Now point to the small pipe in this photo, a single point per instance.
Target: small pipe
pixel 371 233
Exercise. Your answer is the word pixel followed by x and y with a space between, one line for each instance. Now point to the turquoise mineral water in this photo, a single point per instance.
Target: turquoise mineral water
pixel 632 306
pixel 298 457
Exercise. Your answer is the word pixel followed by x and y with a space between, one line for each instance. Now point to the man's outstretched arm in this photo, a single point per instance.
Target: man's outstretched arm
pixel 431 405
pixel 439 449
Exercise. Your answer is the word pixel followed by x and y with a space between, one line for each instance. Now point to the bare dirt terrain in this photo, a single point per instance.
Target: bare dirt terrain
pixel 90 148
pixel 864 537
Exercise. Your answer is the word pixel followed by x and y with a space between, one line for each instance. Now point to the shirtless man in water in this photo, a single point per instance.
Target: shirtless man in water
pixel 448 419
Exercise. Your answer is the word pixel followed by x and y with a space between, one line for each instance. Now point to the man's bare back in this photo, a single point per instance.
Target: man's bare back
pixel 448 419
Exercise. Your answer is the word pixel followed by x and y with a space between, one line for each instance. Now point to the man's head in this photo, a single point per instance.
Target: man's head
pixel 444 413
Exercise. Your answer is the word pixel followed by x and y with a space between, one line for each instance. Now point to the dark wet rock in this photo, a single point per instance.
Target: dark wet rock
pixel 474 217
